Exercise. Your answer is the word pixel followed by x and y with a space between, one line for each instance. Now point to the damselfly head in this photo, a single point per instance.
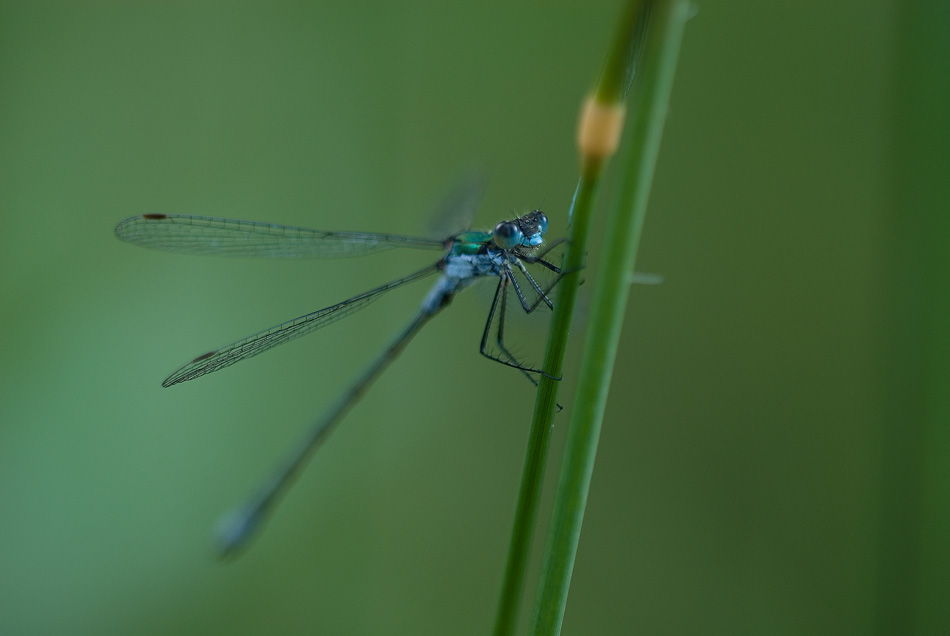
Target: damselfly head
pixel 525 231
pixel 533 225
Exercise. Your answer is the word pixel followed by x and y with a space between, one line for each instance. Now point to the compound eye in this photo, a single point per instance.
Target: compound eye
pixel 543 222
pixel 507 235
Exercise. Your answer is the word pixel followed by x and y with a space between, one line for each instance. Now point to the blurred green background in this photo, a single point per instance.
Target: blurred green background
pixel 751 472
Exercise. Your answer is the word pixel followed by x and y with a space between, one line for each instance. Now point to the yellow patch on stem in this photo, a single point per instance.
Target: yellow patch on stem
pixel 599 129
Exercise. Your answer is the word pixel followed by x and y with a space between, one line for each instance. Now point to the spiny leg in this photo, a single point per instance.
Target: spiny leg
pixel 500 341
pixel 500 337
pixel 547 248
pixel 531 259
pixel 543 263
pixel 542 295
pixel 509 274
pixel 500 295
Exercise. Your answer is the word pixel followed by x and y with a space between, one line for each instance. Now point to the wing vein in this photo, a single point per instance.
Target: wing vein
pixel 230 237
pixel 284 332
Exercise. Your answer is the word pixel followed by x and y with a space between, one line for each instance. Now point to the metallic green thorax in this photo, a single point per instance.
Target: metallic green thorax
pixel 470 242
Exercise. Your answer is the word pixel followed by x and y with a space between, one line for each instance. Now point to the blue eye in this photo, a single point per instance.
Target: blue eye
pixel 543 221
pixel 507 235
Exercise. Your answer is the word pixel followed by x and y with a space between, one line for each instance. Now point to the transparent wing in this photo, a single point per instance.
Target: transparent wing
pixel 229 237
pixel 284 332
pixel 457 208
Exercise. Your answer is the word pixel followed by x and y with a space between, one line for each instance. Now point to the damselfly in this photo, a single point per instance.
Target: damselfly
pixel 466 258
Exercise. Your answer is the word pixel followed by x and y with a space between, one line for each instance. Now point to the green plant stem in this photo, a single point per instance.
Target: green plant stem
pixel 914 555
pixel 546 403
pixel 611 89
pixel 621 64
pixel 649 106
